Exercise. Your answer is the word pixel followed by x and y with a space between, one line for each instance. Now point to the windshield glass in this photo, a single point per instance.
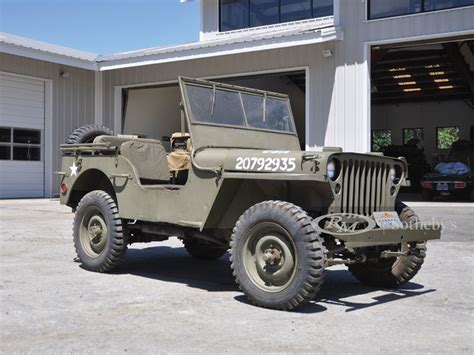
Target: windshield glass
pixel 215 105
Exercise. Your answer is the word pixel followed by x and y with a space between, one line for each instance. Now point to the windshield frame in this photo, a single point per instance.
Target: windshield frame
pixel 240 90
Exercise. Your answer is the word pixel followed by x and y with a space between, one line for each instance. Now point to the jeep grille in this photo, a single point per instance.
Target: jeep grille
pixel 365 187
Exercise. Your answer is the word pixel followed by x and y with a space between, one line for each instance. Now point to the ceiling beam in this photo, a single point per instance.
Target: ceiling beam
pixel 454 53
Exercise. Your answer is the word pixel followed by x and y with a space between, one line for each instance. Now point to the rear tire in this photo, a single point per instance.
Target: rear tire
pixel 87 134
pixel 393 272
pixel 277 256
pixel 201 249
pixel 99 236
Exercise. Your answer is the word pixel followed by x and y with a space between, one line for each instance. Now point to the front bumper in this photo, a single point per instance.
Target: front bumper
pixel 378 236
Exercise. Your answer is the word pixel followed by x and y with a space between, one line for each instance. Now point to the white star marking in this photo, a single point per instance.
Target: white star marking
pixel 73 168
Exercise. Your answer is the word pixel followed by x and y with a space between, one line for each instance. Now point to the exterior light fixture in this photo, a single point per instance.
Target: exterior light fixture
pixel 65 74
pixel 435 73
pixel 412 89
pixel 404 83
pixel 396 69
pixel 446 87
pixel 441 80
pixel 327 53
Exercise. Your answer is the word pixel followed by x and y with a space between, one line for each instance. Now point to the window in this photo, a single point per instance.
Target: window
pixel 389 8
pixel 294 10
pixel 264 12
pixel 218 106
pixel 381 138
pixel 20 144
pixel 238 14
pixel 446 136
pixel 234 14
pixel 411 134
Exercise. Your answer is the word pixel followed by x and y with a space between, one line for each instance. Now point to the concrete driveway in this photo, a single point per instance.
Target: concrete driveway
pixel 162 300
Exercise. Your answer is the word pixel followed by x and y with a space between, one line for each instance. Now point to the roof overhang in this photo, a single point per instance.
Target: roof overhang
pixel 30 48
pixel 253 42
pixel 221 47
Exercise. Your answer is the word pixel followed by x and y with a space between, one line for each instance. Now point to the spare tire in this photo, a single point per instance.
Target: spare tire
pixel 86 134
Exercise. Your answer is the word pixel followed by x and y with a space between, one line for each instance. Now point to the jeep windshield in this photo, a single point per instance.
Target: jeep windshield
pixel 230 106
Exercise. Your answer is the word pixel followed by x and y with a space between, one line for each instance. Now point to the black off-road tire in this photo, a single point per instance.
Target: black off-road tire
pixel 393 272
pixel 201 249
pixel 309 260
pixel 86 134
pixel 98 204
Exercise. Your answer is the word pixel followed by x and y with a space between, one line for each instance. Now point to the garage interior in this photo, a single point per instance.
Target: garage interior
pixel 422 101
pixel 153 111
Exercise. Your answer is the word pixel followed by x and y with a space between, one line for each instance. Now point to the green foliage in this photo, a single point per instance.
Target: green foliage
pixel 446 136
pixel 412 133
pixel 381 138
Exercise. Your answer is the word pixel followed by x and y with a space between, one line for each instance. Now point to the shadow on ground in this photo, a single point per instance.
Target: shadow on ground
pixel 175 265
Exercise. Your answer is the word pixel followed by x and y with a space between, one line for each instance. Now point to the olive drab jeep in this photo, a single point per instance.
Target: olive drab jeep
pixel 235 179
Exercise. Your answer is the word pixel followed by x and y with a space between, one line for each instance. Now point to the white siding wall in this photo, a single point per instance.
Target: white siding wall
pixel 73 97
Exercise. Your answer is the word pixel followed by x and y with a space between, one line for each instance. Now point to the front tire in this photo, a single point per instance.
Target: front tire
pixel 277 256
pixel 393 272
pixel 99 236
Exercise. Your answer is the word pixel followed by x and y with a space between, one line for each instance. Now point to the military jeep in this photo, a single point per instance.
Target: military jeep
pixel 235 179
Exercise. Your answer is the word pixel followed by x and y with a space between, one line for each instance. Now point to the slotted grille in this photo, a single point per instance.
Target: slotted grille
pixel 364 186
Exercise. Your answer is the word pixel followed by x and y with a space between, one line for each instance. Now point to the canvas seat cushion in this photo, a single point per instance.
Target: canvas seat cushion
pixel 149 158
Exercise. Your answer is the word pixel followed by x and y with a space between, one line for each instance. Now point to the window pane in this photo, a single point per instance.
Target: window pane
pixel 4 152
pixel 224 108
pixel 387 8
pixel 234 14
pixel 277 115
pixel 381 138
pixel 5 135
pixel 446 136
pixel 253 105
pixel 26 153
pixel 431 5
pixel 322 8
pixel 228 108
pixel 294 10
pixel 264 12
pixel 27 136
pixel 413 136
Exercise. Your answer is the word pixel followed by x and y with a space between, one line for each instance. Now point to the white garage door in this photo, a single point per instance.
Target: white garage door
pixel 22 120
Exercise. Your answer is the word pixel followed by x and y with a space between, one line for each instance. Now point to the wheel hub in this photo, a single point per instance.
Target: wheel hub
pixel 270 257
pixel 94 234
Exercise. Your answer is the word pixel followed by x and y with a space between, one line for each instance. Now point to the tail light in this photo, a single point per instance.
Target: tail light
pixel 63 188
pixel 427 184
pixel 459 185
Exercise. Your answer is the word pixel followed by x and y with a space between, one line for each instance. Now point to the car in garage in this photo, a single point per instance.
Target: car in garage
pixel 453 177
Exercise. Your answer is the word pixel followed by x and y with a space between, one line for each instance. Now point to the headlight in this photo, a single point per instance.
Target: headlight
pixel 393 174
pixel 333 169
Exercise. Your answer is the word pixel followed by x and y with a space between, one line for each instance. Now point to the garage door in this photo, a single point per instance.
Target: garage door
pixel 22 120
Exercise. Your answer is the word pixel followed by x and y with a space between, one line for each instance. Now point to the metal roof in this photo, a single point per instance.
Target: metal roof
pixel 274 37
pixel 18 41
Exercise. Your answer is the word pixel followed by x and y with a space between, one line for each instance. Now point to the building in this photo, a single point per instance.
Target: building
pixel 360 74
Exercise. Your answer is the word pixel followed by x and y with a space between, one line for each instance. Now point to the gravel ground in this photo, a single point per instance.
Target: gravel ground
pixel 161 300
